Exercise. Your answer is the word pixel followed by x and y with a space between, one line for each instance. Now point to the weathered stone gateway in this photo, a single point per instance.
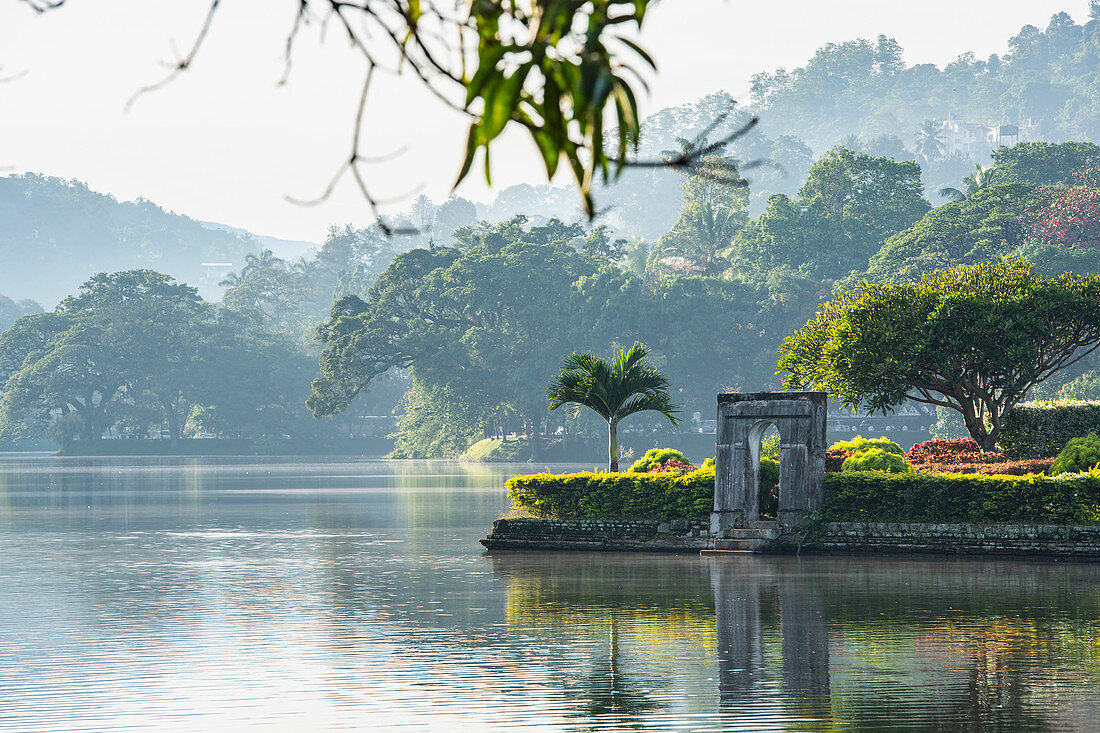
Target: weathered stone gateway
pixel 742 421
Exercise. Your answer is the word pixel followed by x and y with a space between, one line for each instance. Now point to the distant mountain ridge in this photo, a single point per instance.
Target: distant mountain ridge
pixel 56 233
pixel 287 249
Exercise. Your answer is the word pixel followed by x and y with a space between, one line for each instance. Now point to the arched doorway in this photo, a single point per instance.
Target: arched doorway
pixel 742 421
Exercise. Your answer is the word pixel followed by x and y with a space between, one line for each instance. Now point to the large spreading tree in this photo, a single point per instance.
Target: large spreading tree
pixel 972 338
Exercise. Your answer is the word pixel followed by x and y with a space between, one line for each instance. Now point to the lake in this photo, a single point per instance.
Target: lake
pixel 222 594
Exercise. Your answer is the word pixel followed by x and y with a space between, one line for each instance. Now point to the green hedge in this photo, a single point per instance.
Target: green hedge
pixel 615 495
pixel 875 459
pixel 1080 454
pixel 956 498
pixel 1042 429
pixel 870 496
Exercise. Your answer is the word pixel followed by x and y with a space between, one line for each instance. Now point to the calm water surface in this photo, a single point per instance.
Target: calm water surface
pixel 222 594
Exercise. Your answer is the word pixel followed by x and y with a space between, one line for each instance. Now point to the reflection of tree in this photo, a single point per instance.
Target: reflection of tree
pixel 608 691
pixel 639 615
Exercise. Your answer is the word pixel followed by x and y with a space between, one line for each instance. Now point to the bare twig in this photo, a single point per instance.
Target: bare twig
pixel 183 64
pixel 694 156
pixel 298 18
pixel 41 6
pixel 12 77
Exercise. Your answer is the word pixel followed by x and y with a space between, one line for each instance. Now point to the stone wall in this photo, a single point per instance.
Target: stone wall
pixel 691 536
pixel 966 539
pixel 599 534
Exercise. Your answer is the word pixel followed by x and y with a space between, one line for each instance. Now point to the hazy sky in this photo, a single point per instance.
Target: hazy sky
pixel 224 143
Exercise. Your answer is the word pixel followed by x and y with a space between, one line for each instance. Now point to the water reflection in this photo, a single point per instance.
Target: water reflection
pixel 200 595
pixel 816 643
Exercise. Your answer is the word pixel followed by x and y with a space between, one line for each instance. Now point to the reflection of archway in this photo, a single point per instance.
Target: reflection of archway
pixel 743 419
pixel 749 595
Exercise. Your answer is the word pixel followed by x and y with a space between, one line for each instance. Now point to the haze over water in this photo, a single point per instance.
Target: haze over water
pixel 203 594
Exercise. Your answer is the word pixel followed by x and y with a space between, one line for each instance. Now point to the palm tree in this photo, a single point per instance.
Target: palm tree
pixel 852 142
pixel 982 178
pixel 929 145
pixel 614 391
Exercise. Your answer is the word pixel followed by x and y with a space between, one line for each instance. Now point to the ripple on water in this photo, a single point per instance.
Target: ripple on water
pixel 299 595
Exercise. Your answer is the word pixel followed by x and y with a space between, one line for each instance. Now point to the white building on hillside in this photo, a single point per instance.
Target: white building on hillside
pixel 975 140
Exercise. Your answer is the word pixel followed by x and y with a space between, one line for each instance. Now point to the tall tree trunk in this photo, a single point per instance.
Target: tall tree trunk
pixel 613 446
pixel 975 425
pixel 533 442
pixel 173 421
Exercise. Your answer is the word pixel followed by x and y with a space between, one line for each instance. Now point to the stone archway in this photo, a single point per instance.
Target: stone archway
pixel 742 420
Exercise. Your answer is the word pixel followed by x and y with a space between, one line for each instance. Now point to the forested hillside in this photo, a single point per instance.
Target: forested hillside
pixel 55 234
pixel 860 94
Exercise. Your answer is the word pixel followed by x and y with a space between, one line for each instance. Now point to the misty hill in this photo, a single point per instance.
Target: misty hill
pixel 861 94
pixel 288 249
pixel 55 234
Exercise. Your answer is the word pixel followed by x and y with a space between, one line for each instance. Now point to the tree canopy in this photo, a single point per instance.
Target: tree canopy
pixel 973 338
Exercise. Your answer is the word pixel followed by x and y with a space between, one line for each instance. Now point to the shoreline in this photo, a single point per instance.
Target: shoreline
pixel 1080 542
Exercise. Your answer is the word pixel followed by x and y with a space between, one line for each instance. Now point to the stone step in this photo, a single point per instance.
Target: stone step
pixel 747 533
pixel 741 545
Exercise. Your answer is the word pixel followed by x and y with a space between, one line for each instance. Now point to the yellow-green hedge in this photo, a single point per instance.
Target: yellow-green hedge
pixel 875 496
pixel 870 496
pixel 615 495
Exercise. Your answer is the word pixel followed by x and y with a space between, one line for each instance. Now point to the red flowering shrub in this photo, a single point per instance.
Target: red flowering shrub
pixel 937 456
pixel 1001 468
pixel 1071 217
pixel 673 465
pixel 942 451
pixel 834 459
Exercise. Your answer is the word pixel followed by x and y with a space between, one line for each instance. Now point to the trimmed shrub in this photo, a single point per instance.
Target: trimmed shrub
pixel 867 496
pixel 673 465
pixel 934 455
pixel 924 497
pixel 656 458
pixel 876 459
pixel 859 444
pixel 940 449
pixel 834 459
pixel 709 463
pixel 1003 468
pixel 1041 429
pixel 615 495
pixel 1080 454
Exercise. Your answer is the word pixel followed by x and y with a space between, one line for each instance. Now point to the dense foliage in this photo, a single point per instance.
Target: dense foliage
pixel 940 498
pixel 859 444
pixel 868 496
pixel 134 351
pixel 477 325
pixel 656 458
pixel 1080 454
pixel 659 495
pixel 876 459
pixel 1041 429
pixel 972 338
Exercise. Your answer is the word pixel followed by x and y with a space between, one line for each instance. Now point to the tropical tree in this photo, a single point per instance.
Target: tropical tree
pixel 974 339
pixel 929 145
pixel 983 177
pixel 614 391
pixel 714 209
